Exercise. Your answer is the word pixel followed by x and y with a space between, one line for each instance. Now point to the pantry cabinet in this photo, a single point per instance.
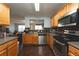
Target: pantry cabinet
pixel 4 14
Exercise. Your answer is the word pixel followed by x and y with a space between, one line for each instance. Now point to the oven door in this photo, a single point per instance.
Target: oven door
pixel 60 49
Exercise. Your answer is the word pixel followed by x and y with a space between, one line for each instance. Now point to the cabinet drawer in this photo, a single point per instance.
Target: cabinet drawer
pixel 12 50
pixel 3 46
pixel 73 50
pixel 12 42
pixel 3 52
pixel 70 54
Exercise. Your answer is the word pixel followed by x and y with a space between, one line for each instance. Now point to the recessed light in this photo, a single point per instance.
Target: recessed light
pixel 37 6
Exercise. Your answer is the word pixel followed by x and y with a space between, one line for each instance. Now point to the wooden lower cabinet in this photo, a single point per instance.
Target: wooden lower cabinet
pixel 12 50
pixel 70 54
pixel 49 40
pixel 35 40
pixel 72 51
pixel 3 53
pixel 30 39
pixel 9 48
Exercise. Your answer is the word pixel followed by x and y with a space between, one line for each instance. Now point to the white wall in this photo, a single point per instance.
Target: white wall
pixel 13 26
pixel 14 23
pixel 47 23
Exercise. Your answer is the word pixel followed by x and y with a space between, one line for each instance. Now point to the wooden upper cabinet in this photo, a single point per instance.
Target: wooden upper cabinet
pixel 71 7
pixel 4 14
pixel 58 15
pixel 65 10
pixel 55 20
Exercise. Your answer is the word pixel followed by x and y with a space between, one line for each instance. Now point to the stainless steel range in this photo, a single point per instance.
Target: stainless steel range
pixel 60 44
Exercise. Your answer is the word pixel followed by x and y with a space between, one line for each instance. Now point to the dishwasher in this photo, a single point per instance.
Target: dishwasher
pixel 41 39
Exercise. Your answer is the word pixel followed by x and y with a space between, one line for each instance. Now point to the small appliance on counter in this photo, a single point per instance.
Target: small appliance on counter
pixel 2 32
pixel 70 20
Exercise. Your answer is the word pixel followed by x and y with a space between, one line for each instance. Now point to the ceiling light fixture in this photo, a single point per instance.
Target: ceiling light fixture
pixel 37 6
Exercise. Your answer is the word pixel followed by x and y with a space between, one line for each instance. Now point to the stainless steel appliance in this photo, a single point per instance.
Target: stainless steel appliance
pixel 61 43
pixel 41 39
pixel 60 49
pixel 70 20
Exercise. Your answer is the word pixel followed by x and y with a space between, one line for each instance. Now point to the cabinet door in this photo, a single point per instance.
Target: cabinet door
pixel 35 40
pixel 48 39
pixel 30 39
pixel 74 50
pixel 51 41
pixel 3 52
pixel 4 14
pixel 55 21
pixel 70 54
pixel 25 38
pixel 63 11
pixel 3 49
pixel 12 50
pixel 72 7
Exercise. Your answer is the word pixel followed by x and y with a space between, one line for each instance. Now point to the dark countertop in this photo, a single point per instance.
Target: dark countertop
pixel 74 44
pixel 4 40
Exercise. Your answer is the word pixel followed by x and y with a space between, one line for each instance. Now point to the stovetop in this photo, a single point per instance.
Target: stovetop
pixel 65 39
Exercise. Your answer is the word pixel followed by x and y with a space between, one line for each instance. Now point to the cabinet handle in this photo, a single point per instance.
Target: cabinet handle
pixel 59 42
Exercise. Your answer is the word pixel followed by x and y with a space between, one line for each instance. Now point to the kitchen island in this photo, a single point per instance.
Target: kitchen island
pixel 30 38
pixel 8 46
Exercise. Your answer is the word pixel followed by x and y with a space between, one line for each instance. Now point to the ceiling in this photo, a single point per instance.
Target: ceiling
pixel 20 10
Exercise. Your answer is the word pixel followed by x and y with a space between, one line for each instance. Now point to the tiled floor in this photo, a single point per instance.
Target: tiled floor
pixel 30 50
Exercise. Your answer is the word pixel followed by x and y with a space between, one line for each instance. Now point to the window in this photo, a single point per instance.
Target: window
pixel 38 27
pixel 21 28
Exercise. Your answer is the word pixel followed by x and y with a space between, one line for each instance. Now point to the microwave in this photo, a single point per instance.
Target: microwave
pixel 64 21
pixel 70 20
pixel 74 18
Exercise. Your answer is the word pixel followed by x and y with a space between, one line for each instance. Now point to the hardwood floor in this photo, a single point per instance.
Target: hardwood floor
pixel 30 50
